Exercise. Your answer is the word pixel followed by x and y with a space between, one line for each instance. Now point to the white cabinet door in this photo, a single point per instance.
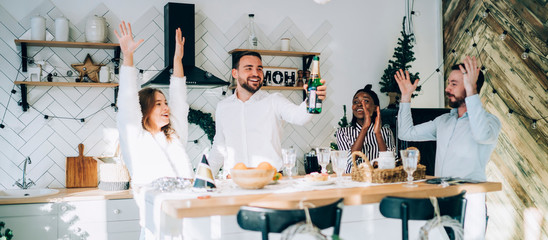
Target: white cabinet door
pixel 82 220
pixel 102 220
pixel 30 221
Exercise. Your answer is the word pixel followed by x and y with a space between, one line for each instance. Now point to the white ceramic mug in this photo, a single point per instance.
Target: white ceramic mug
pixel 285 44
pixel 386 160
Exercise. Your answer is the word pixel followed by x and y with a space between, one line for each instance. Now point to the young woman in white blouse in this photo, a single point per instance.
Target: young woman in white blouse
pixel 365 133
pixel 153 135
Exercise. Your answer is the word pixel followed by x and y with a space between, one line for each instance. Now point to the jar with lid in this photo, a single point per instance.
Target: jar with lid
pixel 96 29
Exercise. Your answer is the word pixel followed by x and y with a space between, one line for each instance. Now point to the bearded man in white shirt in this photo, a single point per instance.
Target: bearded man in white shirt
pixel 249 123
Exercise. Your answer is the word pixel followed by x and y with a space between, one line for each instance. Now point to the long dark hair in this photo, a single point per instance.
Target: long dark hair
pixel 147 101
pixel 373 95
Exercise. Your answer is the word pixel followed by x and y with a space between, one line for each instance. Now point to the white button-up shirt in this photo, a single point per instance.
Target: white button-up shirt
pixel 250 132
pixel 463 145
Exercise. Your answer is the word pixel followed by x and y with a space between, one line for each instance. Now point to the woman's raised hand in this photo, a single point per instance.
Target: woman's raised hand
pixel 125 38
pixel 404 83
pixel 378 122
pixel 179 45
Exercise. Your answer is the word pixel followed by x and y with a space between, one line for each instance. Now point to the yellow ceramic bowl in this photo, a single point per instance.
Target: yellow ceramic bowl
pixel 252 178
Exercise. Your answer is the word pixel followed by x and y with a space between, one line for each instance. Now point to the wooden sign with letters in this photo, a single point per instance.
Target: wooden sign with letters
pixel 280 76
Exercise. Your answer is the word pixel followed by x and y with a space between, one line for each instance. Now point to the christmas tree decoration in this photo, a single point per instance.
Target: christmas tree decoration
pixel 403 55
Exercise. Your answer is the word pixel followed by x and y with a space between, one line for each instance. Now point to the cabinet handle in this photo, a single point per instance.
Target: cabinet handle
pixel 116 211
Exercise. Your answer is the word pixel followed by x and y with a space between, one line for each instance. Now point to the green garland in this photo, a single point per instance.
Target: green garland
pixel 204 121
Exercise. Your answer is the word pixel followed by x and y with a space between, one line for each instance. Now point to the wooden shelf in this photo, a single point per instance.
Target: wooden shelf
pixel 23 84
pixel 38 43
pixel 277 53
pixel 35 43
pixel 274 88
pixel 67 84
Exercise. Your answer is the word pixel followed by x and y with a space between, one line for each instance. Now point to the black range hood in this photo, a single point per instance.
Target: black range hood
pixel 182 15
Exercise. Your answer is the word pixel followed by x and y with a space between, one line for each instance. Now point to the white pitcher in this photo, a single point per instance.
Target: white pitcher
pixel 96 29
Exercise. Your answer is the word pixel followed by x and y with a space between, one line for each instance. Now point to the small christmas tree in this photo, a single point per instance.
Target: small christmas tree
pixel 403 55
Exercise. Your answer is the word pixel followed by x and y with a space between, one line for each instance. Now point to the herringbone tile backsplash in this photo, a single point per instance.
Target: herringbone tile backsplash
pixel 49 141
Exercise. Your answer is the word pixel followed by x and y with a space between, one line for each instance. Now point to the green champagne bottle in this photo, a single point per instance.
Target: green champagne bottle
pixel 313 103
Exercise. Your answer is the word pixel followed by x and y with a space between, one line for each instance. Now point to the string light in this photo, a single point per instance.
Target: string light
pixel 467 31
pixel 416 13
pixel 454 52
pixel 534 124
pixel 503 35
pixel 510 111
pixel 485 13
pixel 525 54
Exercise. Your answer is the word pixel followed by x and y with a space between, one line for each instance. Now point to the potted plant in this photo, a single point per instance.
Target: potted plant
pixel 7 235
pixel 403 56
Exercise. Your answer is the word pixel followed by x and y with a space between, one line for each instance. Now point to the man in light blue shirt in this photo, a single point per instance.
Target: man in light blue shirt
pixel 465 137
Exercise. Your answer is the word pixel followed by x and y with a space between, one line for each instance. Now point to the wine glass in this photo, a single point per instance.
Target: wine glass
pixel 289 157
pixel 410 161
pixel 339 159
pixel 323 157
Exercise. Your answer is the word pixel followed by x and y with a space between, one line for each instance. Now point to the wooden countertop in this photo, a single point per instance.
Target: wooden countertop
pixel 229 205
pixel 72 194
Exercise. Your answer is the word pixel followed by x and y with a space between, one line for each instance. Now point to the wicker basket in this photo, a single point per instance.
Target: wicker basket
pixel 366 173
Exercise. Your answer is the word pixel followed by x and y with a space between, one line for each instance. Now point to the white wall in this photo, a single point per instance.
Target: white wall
pixel 364 33
pixel 361 39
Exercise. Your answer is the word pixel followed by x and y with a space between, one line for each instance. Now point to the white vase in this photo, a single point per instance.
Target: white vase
pixel 61 29
pixel 96 29
pixel 38 28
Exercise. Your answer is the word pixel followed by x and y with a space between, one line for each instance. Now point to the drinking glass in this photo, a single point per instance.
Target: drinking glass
pixel 323 157
pixel 289 157
pixel 338 160
pixel 410 161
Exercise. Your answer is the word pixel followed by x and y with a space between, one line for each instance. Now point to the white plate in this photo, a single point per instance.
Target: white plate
pixel 316 183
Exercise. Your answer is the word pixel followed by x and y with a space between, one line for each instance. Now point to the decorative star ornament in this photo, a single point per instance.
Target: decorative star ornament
pixel 88 69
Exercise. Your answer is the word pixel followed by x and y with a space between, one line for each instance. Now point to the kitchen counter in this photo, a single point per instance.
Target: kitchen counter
pixel 229 205
pixel 72 194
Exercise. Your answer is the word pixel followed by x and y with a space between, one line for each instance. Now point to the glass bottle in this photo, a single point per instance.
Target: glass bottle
pixel 252 40
pixel 313 103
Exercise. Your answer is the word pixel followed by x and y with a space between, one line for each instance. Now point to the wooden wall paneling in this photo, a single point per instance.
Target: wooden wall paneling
pixel 511 81
pixel 505 208
pixel 495 78
pixel 534 13
pixel 455 21
pixel 520 159
pixel 509 20
pixel 534 80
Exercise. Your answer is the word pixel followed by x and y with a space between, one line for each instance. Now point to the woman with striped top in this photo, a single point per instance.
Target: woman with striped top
pixel 365 133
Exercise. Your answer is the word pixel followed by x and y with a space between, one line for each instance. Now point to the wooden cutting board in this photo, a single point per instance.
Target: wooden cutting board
pixel 81 171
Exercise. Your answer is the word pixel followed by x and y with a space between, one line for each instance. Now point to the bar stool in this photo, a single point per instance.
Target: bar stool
pixel 269 220
pixel 422 209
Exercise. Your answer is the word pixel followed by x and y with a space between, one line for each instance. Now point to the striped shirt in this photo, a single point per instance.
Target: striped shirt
pixel 346 136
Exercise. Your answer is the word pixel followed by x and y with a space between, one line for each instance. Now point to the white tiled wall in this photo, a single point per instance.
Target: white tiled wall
pixel 49 141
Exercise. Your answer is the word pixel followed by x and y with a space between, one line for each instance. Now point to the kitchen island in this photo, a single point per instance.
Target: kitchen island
pixel 215 212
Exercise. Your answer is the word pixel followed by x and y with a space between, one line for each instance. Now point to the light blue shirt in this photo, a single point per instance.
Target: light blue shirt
pixel 464 144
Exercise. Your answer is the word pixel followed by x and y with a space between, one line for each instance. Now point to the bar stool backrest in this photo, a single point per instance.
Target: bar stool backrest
pixel 267 220
pixel 422 209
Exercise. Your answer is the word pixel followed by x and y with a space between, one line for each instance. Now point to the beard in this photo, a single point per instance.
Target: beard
pixel 249 88
pixel 457 103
